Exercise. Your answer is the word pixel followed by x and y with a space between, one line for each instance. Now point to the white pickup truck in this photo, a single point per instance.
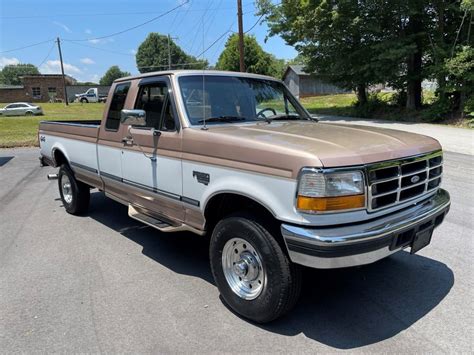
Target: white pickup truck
pixel 91 95
pixel 235 156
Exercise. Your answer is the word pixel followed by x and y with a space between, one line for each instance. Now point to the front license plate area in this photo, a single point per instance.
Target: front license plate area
pixel 421 240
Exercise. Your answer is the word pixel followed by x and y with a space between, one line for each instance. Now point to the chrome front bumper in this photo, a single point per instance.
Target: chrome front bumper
pixel 366 242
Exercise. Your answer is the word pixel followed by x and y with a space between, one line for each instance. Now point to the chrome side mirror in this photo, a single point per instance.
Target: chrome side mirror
pixel 133 117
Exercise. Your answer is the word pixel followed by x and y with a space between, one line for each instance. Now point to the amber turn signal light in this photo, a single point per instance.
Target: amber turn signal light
pixel 325 204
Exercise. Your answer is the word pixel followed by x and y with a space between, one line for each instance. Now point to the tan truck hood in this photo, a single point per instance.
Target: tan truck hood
pixel 334 144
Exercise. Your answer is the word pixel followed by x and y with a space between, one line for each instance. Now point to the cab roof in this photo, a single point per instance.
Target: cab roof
pixel 196 72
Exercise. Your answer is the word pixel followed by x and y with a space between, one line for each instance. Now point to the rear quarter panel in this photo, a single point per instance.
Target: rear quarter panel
pixel 78 142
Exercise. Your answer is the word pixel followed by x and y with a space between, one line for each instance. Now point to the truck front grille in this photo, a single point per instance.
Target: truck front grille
pixel 398 181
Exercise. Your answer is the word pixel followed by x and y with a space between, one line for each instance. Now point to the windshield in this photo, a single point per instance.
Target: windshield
pixel 228 99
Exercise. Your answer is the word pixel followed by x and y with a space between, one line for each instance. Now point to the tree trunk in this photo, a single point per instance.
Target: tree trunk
pixel 414 91
pixel 361 94
pixel 414 59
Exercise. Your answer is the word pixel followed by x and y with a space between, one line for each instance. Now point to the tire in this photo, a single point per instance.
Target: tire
pixel 84 101
pixel 29 113
pixel 274 291
pixel 75 195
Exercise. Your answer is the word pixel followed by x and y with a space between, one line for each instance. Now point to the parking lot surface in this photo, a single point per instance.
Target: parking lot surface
pixel 106 283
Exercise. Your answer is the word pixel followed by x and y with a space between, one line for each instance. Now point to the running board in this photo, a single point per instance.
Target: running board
pixel 160 224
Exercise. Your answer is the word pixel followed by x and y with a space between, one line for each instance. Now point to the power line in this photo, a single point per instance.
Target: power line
pixel 47 55
pixel 213 43
pixel 199 22
pixel 166 66
pixel 255 24
pixel 100 49
pixel 112 13
pixel 28 46
pixel 131 28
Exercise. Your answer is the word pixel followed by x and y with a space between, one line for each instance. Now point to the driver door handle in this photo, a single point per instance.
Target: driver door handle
pixel 127 141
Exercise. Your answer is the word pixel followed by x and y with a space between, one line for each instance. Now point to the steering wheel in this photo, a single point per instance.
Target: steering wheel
pixel 260 113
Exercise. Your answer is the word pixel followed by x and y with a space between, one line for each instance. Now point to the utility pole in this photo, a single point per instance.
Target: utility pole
pixel 62 70
pixel 241 36
pixel 169 50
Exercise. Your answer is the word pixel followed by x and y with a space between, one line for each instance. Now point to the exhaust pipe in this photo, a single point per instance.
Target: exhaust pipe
pixel 52 176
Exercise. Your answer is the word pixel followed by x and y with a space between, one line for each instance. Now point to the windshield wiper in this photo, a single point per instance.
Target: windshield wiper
pixel 223 119
pixel 283 117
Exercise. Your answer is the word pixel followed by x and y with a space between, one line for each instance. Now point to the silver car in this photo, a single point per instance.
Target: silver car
pixel 21 109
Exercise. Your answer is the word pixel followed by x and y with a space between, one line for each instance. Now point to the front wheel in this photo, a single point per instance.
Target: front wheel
pixel 253 274
pixel 75 195
pixel 84 101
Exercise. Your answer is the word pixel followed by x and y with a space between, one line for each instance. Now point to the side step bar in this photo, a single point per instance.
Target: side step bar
pixel 160 224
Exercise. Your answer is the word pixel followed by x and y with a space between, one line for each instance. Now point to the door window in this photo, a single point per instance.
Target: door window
pixel 116 106
pixel 154 100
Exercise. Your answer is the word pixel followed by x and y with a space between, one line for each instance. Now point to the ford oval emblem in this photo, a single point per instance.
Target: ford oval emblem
pixel 414 179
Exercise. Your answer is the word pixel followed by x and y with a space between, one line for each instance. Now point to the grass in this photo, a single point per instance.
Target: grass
pixel 18 131
pixel 338 105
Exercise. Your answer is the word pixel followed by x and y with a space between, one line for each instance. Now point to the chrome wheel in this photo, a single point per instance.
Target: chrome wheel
pixel 66 189
pixel 243 268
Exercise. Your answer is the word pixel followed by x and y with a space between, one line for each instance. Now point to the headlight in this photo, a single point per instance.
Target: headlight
pixel 321 191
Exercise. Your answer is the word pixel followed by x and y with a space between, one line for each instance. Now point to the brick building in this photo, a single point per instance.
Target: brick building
pixel 36 88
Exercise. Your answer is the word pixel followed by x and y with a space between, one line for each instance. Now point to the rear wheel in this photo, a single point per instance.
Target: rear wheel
pixel 75 195
pixel 254 275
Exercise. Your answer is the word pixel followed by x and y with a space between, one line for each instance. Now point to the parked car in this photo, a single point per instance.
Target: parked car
pixel 91 95
pixel 237 157
pixel 21 109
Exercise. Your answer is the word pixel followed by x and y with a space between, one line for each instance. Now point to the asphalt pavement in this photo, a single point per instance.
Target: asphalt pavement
pixel 106 283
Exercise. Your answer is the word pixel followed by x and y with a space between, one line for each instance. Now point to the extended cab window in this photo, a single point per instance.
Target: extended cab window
pixel 154 99
pixel 116 106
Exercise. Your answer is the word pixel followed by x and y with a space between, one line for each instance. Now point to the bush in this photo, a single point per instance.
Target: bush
pixel 437 111
pixel 374 103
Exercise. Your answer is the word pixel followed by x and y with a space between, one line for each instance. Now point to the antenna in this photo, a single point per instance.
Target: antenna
pixel 204 126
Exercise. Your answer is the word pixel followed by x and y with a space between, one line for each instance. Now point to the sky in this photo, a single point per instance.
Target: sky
pixel 80 24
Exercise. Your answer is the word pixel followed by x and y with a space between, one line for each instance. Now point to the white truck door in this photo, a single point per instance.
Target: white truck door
pixel 151 163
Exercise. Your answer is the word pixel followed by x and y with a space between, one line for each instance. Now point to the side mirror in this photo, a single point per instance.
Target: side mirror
pixel 133 117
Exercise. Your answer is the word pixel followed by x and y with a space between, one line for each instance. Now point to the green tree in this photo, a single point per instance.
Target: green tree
pixel 11 74
pixel 336 38
pixel 255 58
pixel 153 55
pixel 298 60
pixel 112 74
pixel 360 43
pixel 90 83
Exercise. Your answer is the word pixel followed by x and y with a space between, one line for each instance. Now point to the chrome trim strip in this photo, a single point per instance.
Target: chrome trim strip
pixel 83 167
pixel 341 261
pixel 154 190
pixel 90 125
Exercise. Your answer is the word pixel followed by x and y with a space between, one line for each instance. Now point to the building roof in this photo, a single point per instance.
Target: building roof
pixel 298 69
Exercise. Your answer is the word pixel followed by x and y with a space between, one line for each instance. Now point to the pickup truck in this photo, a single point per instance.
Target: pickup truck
pixel 91 95
pixel 236 157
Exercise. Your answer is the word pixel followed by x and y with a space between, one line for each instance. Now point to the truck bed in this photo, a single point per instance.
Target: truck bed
pixel 71 129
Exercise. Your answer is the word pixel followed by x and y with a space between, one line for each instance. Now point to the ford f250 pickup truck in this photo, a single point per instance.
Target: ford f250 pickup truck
pixel 236 156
